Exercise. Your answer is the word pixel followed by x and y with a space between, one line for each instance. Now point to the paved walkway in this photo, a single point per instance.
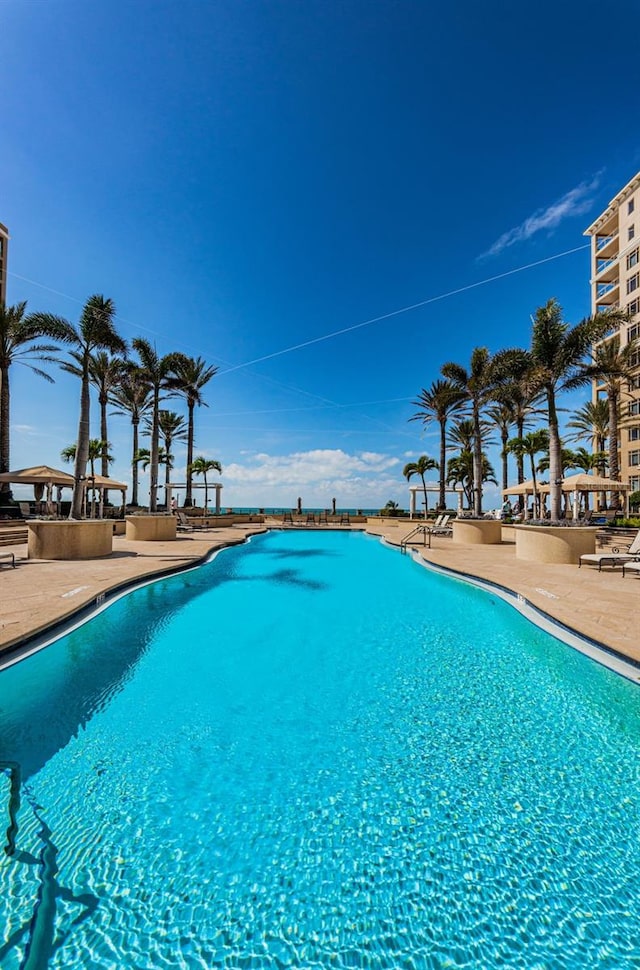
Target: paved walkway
pixel 603 606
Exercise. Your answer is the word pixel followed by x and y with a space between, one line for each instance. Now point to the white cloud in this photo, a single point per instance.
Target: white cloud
pixel 364 479
pixel 574 203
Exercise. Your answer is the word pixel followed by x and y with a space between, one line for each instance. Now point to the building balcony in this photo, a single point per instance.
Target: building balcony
pixel 606 269
pixel 607 245
pixel 608 294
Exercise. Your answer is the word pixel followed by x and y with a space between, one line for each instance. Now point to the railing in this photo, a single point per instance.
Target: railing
pixel 419 529
pixel 603 288
pixel 602 241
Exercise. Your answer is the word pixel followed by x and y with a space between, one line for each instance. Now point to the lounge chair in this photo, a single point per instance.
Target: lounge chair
pixel 311 519
pixel 287 518
pixel 633 566
pixel 615 557
pixel 443 529
pixel 344 518
pixel 186 524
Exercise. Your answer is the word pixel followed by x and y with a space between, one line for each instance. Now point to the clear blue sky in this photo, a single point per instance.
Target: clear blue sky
pixel 243 177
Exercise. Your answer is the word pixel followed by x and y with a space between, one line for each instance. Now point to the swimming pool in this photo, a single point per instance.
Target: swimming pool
pixel 312 752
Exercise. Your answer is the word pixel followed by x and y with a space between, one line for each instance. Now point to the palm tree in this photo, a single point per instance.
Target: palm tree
pixel 157 373
pixel 95 331
pixel 104 373
pixel 589 461
pixel 591 422
pixel 460 471
pixel 200 466
pixel 517 391
pixel 438 403
pixel 131 396
pixel 420 467
pixel 503 416
pixel 97 449
pixel 612 365
pixel 558 358
pixel 477 384
pixel 143 457
pixel 462 434
pixel 171 428
pixel 19 334
pixel 531 445
pixel 191 374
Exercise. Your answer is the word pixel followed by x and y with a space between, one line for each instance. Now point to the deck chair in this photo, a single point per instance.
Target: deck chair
pixel 183 524
pixel 443 529
pixel 615 557
pixel 322 518
pixel 287 518
pixel 311 519
pixel 344 518
pixel 25 510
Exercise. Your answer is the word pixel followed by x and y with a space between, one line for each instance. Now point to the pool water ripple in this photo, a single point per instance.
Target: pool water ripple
pixel 313 753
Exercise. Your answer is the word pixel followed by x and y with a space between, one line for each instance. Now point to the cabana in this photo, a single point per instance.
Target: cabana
pixel 103 485
pixel 43 478
pixel 523 490
pixel 583 483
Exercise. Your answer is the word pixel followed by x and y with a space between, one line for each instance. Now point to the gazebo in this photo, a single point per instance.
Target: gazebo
pixel 432 487
pixel 583 483
pixel 44 478
pixel 210 487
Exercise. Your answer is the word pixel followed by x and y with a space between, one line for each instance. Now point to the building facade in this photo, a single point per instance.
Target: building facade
pixel 4 254
pixel 615 283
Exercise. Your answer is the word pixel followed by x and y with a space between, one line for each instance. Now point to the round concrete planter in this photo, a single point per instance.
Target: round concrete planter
pixel 151 528
pixel 69 539
pixel 547 543
pixel 477 532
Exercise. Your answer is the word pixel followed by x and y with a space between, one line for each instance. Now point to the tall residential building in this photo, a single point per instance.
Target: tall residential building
pixel 4 251
pixel 615 282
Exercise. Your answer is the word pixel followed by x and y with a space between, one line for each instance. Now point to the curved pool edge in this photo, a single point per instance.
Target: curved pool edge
pixel 597 651
pixel 44 636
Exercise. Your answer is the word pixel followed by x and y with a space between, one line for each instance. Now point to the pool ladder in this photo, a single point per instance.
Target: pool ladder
pixel 423 530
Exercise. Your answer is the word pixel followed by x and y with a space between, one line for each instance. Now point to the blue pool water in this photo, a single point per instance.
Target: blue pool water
pixel 312 752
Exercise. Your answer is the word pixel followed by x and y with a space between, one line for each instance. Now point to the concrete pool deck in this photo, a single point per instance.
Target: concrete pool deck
pixel 600 605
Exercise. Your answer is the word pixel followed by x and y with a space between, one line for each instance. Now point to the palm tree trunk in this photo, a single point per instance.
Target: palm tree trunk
pixel 206 494
pixel 505 460
pixel 614 460
pixel 167 466
pixel 188 499
pixel 537 512
pixel 134 465
pixel 520 454
pixel 442 502
pixel 104 467
pixel 153 465
pixel 477 462
pixel 426 501
pixel 5 455
pixel 555 458
pixel 82 450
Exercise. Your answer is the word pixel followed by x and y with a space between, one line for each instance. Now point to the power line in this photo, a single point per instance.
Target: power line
pixel 406 309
